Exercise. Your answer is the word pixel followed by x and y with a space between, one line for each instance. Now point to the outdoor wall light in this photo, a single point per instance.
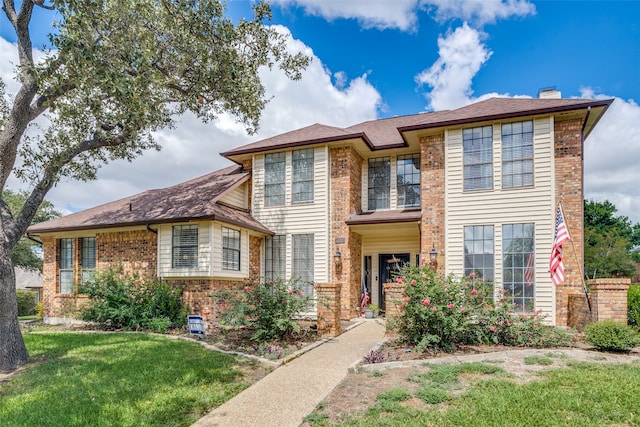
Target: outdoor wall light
pixel 337 258
pixel 433 257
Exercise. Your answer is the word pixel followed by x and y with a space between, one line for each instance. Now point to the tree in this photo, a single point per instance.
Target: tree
pixel 24 253
pixel 608 241
pixel 118 70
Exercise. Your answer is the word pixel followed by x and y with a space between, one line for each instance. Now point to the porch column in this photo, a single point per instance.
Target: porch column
pixel 346 199
pixel 328 308
pixel 432 198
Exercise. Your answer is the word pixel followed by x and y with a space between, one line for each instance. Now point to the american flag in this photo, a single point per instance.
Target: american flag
pixel 556 265
pixel 364 299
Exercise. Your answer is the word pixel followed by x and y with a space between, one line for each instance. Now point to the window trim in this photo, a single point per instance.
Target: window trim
pixel 296 259
pixel 193 262
pixel 372 202
pixel 232 263
pixel 521 160
pixel 275 265
pixel 68 269
pixel 294 181
pixel 271 159
pixel 468 166
pixel 525 268
pixel 87 272
pixel 471 270
pixel 414 157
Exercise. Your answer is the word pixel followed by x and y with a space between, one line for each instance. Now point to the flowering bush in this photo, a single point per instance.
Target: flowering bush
pixel 271 308
pixel 439 313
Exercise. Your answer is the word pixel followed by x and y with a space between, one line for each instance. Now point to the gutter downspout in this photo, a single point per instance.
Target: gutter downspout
pixel 151 229
pixel 33 240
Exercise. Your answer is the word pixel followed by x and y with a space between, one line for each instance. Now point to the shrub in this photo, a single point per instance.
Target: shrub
pixel 441 313
pixel 633 305
pixel 610 335
pixel 26 302
pixel 40 310
pixel 271 308
pixel 122 301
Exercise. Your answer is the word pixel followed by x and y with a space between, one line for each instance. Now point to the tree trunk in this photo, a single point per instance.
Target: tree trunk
pixel 13 352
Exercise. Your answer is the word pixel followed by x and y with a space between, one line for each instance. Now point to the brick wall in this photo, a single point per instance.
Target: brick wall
pixel 329 308
pixel 199 296
pixel 569 191
pixel 579 314
pixel 136 251
pixel 346 191
pixel 255 246
pixel 432 189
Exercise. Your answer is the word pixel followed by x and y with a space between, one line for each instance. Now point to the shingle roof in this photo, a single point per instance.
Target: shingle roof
pixel 191 200
pixel 498 108
pixel 387 133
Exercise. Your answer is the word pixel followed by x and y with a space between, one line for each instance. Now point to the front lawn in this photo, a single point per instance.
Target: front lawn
pixel 97 379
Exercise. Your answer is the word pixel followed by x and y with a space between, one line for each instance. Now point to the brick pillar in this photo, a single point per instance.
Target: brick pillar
pixel 568 167
pixel 432 195
pixel 49 274
pixel 393 301
pixel 346 193
pixel 329 308
pixel 609 299
pixel 255 245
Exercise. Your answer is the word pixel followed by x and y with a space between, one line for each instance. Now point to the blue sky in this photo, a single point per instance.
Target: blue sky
pixel 380 58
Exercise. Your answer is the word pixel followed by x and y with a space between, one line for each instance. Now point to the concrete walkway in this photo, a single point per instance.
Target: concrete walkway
pixel 288 394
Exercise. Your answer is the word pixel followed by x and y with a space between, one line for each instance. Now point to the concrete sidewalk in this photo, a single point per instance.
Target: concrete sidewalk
pixel 288 394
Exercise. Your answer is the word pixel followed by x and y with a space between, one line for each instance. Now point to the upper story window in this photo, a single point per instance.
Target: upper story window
pixel 477 144
pixel 185 246
pixel 379 173
pixel 274 178
pixel 302 177
pixel 517 154
pixel 408 180
pixel 88 257
pixel 230 249
pixel 65 264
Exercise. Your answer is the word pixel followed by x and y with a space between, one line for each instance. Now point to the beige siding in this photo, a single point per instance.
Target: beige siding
pixel 497 207
pixel 165 268
pixel 237 197
pixel 299 218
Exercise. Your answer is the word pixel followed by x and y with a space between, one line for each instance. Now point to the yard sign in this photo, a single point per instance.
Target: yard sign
pixel 196 325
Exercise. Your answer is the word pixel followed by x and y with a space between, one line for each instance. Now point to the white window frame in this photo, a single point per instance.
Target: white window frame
pixel 517 154
pixel 275 173
pixel 302 175
pixel 231 249
pixel 477 158
pixel 184 250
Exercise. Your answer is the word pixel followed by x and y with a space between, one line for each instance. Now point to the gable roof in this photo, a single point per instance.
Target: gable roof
pixel 196 199
pixel 387 133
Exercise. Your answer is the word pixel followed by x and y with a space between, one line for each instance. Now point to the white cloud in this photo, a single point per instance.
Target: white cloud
pixel 480 12
pixel 462 54
pixel 400 14
pixel 191 149
pixel 611 156
pixel 403 14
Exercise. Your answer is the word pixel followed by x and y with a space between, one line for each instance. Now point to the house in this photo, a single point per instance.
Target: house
pixel 29 280
pixel 477 187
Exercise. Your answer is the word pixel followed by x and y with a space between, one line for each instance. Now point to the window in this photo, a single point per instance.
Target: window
pixel 517 154
pixel 303 254
pixel 479 256
pixel 185 246
pixel 230 249
pixel 408 180
pixel 274 179
pixel 379 181
pixel 518 266
pixel 302 165
pixel 275 257
pixel 65 263
pixel 477 145
pixel 88 257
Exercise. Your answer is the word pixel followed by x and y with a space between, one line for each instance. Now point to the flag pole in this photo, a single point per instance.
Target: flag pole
pixel 575 254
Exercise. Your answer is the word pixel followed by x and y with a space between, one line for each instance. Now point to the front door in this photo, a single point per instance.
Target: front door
pixel 389 265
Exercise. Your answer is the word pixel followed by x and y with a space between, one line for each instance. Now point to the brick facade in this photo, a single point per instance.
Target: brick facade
pixel 136 252
pixel 568 167
pixel 329 295
pixel 346 193
pixel 432 187
pixel 609 299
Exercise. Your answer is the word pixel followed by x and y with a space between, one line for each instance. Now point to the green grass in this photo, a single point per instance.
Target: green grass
pixel 586 394
pixel 116 379
pixel 538 360
pixel 33 317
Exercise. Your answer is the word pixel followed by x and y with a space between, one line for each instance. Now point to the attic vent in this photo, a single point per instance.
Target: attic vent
pixel 549 93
